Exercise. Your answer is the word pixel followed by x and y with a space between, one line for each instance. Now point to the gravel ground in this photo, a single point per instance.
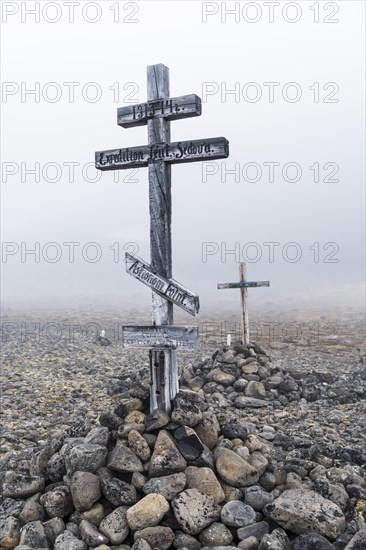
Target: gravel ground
pixel 54 375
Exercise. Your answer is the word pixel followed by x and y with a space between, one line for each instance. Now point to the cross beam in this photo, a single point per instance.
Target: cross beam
pixel 243 285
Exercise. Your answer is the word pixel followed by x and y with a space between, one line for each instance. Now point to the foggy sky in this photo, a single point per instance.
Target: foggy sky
pixel 324 220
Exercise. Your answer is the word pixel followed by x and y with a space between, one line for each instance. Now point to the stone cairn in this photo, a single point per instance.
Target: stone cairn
pixel 199 479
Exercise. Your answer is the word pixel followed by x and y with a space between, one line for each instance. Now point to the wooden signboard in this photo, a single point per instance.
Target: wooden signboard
pixel 172 108
pixel 179 151
pixel 160 337
pixel 244 284
pixel 167 288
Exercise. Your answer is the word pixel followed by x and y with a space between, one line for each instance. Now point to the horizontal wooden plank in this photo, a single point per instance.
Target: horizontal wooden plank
pixel 169 289
pixel 166 336
pixel 179 151
pixel 244 284
pixel 173 108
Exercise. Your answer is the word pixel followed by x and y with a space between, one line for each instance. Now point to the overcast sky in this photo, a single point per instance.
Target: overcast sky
pixel 289 200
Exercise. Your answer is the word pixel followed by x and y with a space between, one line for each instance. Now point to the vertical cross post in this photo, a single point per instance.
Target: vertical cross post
pixel 160 204
pixel 244 305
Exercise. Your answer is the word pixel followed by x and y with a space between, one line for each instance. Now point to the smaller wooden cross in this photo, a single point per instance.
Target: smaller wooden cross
pixel 244 285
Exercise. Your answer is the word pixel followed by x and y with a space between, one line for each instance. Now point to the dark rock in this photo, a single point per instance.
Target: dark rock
pixel 156 419
pixel 312 541
pixel 188 443
pixel 58 502
pixel 118 492
pixel 85 457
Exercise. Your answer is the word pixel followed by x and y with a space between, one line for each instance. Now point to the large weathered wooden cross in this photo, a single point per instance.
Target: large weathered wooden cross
pixel 162 338
pixel 244 285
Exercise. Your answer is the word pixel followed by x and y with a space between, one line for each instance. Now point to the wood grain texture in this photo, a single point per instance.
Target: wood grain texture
pixel 173 108
pixel 160 337
pixel 160 208
pixel 162 152
pixel 169 289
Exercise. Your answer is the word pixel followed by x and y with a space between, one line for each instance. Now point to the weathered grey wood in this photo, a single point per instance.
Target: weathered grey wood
pixel 244 304
pixel 163 151
pixel 169 289
pixel 160 207
pixel 172 108
pixel 243 284
pixel 160 337
pixel 158 155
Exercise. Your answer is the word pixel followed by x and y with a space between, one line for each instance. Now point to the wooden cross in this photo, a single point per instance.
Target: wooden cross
pixel 158 156
pixel 244 285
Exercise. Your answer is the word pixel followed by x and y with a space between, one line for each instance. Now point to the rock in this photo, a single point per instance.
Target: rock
pixel 242 402
pixel 216 534
pixel 358 542
pixel 68 541
pixel 187 408
pixel 205 480
pixel 85 490
pixel 10 507
pixel 58 502
pixel 221 377
pixel 118 492
pixel 234 427
pixel 277 540
pixel 188 443
pixel 188 507
pixel 157 537
pixel 10 532
pixel 300 510
pixel 208 429
pixel 56 467
pixel 86 457
pixel 166 459
pixel 135 417
pixel 90 534
pixel 138 480
pixel 33 535
pixel 148 512
pixel 237 514
pixel 234 470
pixel 125 406
pixel 251 543
pixel 182 540
pixel 258 461
pixel 257 530
pixel 53 528
pixel 110 420
pixel 257 497
pixel 32 510
pixel 94 515
pixel 332 491
pixel 288 384
pixel 312 541
pixel 255 389
pixel 141 544
pixel 155 420
pixel 114 526
pixel 167 486
pixel 123 459
pixel 139 445
pixel 17 485
pixel 98 436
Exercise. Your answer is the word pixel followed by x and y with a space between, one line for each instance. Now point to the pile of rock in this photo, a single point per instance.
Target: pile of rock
pixel 194 480
pixel 243 377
